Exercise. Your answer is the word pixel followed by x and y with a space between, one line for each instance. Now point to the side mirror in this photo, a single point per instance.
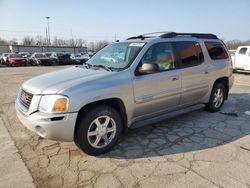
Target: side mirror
pixel 148 68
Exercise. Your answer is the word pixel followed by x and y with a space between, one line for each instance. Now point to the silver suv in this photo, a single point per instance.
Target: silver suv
pixel 129 83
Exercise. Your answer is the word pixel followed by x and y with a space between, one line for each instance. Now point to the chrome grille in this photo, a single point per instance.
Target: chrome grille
pixel 25 99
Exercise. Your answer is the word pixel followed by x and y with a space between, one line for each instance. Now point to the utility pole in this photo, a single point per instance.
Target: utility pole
pixel 47 38
pixel 48 29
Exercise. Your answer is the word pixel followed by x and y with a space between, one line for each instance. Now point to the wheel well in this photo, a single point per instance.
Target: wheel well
pixel 224 81
pixel 116 103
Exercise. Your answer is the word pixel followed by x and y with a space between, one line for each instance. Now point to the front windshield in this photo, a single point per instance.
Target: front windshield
pixel 16 56
pixel 117 55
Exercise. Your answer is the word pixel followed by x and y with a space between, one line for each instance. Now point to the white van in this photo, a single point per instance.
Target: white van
pixel 242 58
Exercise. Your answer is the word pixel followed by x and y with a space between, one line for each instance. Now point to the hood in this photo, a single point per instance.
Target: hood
pixel 54 82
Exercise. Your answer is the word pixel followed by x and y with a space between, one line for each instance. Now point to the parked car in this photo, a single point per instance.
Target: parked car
pixel 242 58
pixel 91 54
pixel 25 54
pixel 60 58
pixel 79 58
pixel 39 59
pixel 95 103
pixel 16 60
pixel 48 55
pixel 3 58
pixel 232 54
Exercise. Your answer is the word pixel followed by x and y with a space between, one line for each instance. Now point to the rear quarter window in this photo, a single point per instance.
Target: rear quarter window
pixel 243 51
pixel 216 50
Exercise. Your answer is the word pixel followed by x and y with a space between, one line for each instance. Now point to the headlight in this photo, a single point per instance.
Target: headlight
pixel 54 104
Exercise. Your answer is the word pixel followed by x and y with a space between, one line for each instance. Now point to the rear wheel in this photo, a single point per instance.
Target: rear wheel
pixel 217 98
pixel 98 130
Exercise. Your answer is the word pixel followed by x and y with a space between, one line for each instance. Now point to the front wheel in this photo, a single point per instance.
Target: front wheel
pixel 98 130
pixel 217 98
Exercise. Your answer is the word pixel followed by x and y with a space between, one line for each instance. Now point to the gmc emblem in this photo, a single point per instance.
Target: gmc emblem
pixel 24 97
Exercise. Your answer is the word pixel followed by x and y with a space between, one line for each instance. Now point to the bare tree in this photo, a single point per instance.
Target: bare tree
pixel 100 44
pixel 70 42
pixel 59 42
pixel 27 40
pixel 246 43
pixel 3 42
pixel 91 46
pixel 13 41
pixel 234 44
pixel 80 42
pixel 40 40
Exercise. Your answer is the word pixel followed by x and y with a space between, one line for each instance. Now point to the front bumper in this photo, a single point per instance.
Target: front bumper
pixel 52 126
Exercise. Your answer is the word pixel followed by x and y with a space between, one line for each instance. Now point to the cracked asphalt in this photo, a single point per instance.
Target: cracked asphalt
pixel 194 149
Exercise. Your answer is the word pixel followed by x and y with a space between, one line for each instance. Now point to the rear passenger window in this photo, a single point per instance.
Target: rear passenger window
pixel 216 50
pixel 190 53
pixel 243 51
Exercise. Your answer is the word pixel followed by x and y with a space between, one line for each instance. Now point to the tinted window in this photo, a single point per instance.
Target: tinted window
pixel 216 50
pixel 190 53
pixel 243 51
pixel 161 54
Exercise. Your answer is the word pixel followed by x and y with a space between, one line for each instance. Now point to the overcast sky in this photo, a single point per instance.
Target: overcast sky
pixel 105 19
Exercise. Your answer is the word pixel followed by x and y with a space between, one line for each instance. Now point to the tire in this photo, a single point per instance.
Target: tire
pixel 89 138
pixel 214 105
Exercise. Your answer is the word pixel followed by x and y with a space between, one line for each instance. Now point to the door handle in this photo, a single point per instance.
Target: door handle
pixel 175 78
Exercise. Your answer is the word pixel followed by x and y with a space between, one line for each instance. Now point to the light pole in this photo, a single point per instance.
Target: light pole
pixel 48 29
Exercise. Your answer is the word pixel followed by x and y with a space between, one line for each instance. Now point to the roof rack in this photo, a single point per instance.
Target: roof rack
pixel 197 35
pixel 174 34
pixel 148 35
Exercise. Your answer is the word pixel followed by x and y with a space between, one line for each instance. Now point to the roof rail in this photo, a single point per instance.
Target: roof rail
pixel 174 34
pixel 136 37
pixel 148 35
pixel 197 35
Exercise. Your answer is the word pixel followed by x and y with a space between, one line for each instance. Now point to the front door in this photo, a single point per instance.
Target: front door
pixel 160 91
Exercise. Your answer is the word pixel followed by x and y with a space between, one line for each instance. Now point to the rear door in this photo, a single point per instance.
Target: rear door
pixel 194 78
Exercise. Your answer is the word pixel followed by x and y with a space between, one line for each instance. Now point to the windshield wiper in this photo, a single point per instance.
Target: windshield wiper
pixel 103 67
pixel 87 65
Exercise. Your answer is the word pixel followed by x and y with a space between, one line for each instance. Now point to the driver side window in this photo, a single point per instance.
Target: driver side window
pixel 161 54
